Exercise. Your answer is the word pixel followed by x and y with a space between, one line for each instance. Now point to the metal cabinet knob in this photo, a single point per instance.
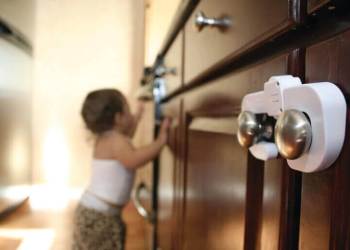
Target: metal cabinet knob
pixel 248 129
pixel 201 21
pixel 293 134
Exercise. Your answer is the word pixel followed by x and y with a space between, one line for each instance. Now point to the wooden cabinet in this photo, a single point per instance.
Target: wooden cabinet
pixel 325 206
pixel 167 174
pixel 271 204
pixel 215 192
pixel 252 23
pixel 173 64
pixel 169 183
pixel 212 193
pixel 216 169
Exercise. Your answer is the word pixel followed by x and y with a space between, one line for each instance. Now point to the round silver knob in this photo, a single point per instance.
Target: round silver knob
pixel 293 134
pixel 248 129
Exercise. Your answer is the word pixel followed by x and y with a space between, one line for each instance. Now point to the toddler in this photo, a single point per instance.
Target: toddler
pixel 97 221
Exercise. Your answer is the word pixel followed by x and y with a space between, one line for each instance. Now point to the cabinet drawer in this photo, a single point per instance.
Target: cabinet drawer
pixel 223 97
pixel 173 63
pixel 252 22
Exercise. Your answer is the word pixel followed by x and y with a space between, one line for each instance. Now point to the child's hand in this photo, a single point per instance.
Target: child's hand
pixel 163 132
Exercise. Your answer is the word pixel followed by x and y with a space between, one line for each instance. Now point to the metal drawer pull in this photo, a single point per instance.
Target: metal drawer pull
pixel 149 216
pixel 162 70
pixel 202 21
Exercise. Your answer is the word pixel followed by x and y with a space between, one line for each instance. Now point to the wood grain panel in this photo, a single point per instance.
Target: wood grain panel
pixel 174 60
pixel 168 184
pixel 215 192
pixel 166 193
pixel 325 217
pixel 207 146
pixel 316 206
pixel 252 23
pixel 223 97
pixel 255 186
pixel 271 204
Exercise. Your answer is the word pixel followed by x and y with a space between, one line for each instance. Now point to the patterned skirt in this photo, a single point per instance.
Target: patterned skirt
pixel 94 230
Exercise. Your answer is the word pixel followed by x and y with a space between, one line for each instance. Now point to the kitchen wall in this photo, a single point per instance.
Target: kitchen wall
pixel 80 46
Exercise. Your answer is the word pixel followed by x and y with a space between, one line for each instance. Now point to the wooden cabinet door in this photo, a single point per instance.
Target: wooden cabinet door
pixel 325 204
pixel 216 190
pixel 166 193
pixel 168 183
pixel 232 200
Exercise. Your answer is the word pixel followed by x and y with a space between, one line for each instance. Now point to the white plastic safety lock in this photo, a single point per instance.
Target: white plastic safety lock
pixel 322 107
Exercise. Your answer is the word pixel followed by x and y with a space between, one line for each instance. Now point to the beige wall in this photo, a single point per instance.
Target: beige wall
pixel 80 45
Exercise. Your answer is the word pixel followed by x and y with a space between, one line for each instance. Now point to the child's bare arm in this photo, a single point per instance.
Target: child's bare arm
pixel 136 118
pixel 135 158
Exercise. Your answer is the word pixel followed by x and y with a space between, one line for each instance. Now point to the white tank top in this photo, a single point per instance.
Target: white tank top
pixel 111 181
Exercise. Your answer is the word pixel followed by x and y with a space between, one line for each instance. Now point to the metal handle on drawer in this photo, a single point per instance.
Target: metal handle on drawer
pixel 149 216
pixel 162 70
pixel 202 21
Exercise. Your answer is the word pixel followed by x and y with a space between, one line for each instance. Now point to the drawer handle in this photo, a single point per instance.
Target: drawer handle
pixel 201 21
pixel 149 216
pixel 162 71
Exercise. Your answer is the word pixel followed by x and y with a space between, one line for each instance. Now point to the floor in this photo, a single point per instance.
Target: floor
pixel 30 227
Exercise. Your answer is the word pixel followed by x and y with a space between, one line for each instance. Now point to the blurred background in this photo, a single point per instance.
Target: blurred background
pixel 52 53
